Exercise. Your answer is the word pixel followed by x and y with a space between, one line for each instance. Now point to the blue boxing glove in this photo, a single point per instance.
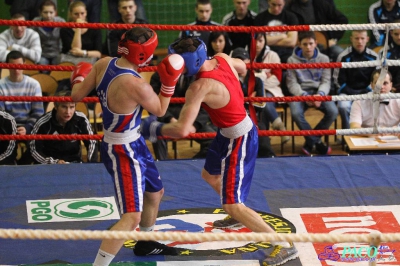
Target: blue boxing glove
pixel 150 128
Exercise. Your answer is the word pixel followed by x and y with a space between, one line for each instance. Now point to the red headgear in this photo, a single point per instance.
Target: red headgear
pixel 138 53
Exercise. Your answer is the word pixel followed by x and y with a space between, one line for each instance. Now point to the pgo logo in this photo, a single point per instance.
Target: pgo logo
pixel 83 209
pixel 62 210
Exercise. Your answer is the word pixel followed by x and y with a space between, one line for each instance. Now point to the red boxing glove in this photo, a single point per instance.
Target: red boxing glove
pixel 79 74
pixel 170 69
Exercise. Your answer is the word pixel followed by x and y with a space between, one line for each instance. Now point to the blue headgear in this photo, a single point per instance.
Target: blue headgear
pixel 193 60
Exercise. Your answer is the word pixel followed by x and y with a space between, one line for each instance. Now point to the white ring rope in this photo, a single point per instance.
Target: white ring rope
pixel 367 96
pixel 183 236
pixel 343 27
pixel 368 131
pixel 372 63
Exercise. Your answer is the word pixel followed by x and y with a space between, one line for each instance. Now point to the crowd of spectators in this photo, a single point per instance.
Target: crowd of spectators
pixel 52 45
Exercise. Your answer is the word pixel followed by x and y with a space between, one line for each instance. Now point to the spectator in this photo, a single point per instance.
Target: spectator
pixel 264 143
pixel 8 148
pixel 93 8
pixel 351 81
pixel 49 36
pixel 313 12
pixel 28 8
pixel 202 122
pixel 262 5
pixel 271 79
pixel 382 11
pixel 115 15
pixel 80 44
pixel 241 16
pixel 310 82
pixel 127 10
pixel 219 42
pixel 280 42
pixel 394 54
pixel 17 84
pixel 362 111
pixel 63 119
pixel 203 10
pixel 22 39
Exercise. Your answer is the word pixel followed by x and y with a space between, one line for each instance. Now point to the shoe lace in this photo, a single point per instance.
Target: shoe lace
pixel 276 251
pixel 227 218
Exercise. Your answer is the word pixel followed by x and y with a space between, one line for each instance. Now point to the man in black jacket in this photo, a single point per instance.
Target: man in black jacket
pixel 384 11
pixel 352 81
pixel 63 119
pixel 203 9
pixel 127 10
pixel 394 54
pixel 317 12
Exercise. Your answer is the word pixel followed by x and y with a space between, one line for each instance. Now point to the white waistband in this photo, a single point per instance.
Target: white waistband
pixel 238 130
pixel 121 138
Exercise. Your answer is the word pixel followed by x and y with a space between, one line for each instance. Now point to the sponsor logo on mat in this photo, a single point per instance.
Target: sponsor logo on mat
pixel 199 220
pixel 350 253
pixel 63 210
pixel 346 220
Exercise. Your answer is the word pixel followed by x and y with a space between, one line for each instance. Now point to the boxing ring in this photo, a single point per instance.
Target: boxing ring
pixel 56 214
pixel 352 186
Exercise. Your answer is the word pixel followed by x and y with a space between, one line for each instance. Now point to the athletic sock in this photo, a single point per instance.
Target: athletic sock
pixel 103 258
pixel 146 229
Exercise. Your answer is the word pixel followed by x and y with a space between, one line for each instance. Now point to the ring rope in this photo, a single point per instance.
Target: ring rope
pixel 262 133
pixel 307 98
pixel 374 63
pixel 247 29
pixel 188 236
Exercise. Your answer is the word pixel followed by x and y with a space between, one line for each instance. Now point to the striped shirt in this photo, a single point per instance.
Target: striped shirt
pixel 25 113
pixel 28 45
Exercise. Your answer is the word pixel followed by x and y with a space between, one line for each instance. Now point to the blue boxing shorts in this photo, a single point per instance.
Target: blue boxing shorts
pixel 133 171
pixel 235 160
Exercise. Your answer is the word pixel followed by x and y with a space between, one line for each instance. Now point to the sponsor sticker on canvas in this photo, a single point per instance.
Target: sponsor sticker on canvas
pixel 346 220
pixel 67 210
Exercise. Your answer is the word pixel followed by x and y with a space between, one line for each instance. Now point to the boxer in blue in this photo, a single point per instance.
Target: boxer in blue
pixel 123 94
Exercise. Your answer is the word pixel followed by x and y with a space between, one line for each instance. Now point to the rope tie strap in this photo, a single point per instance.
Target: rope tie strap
pixel 379 84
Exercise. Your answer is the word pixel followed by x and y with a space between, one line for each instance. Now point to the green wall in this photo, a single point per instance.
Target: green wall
pixel 182 12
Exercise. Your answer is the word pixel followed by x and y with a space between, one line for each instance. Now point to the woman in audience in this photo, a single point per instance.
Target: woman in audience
pixel 219 42
pixel 49 36
pixel 83 44
pixel 272 81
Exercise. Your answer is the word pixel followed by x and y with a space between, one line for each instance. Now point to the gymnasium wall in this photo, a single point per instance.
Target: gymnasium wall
pixel 182 12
